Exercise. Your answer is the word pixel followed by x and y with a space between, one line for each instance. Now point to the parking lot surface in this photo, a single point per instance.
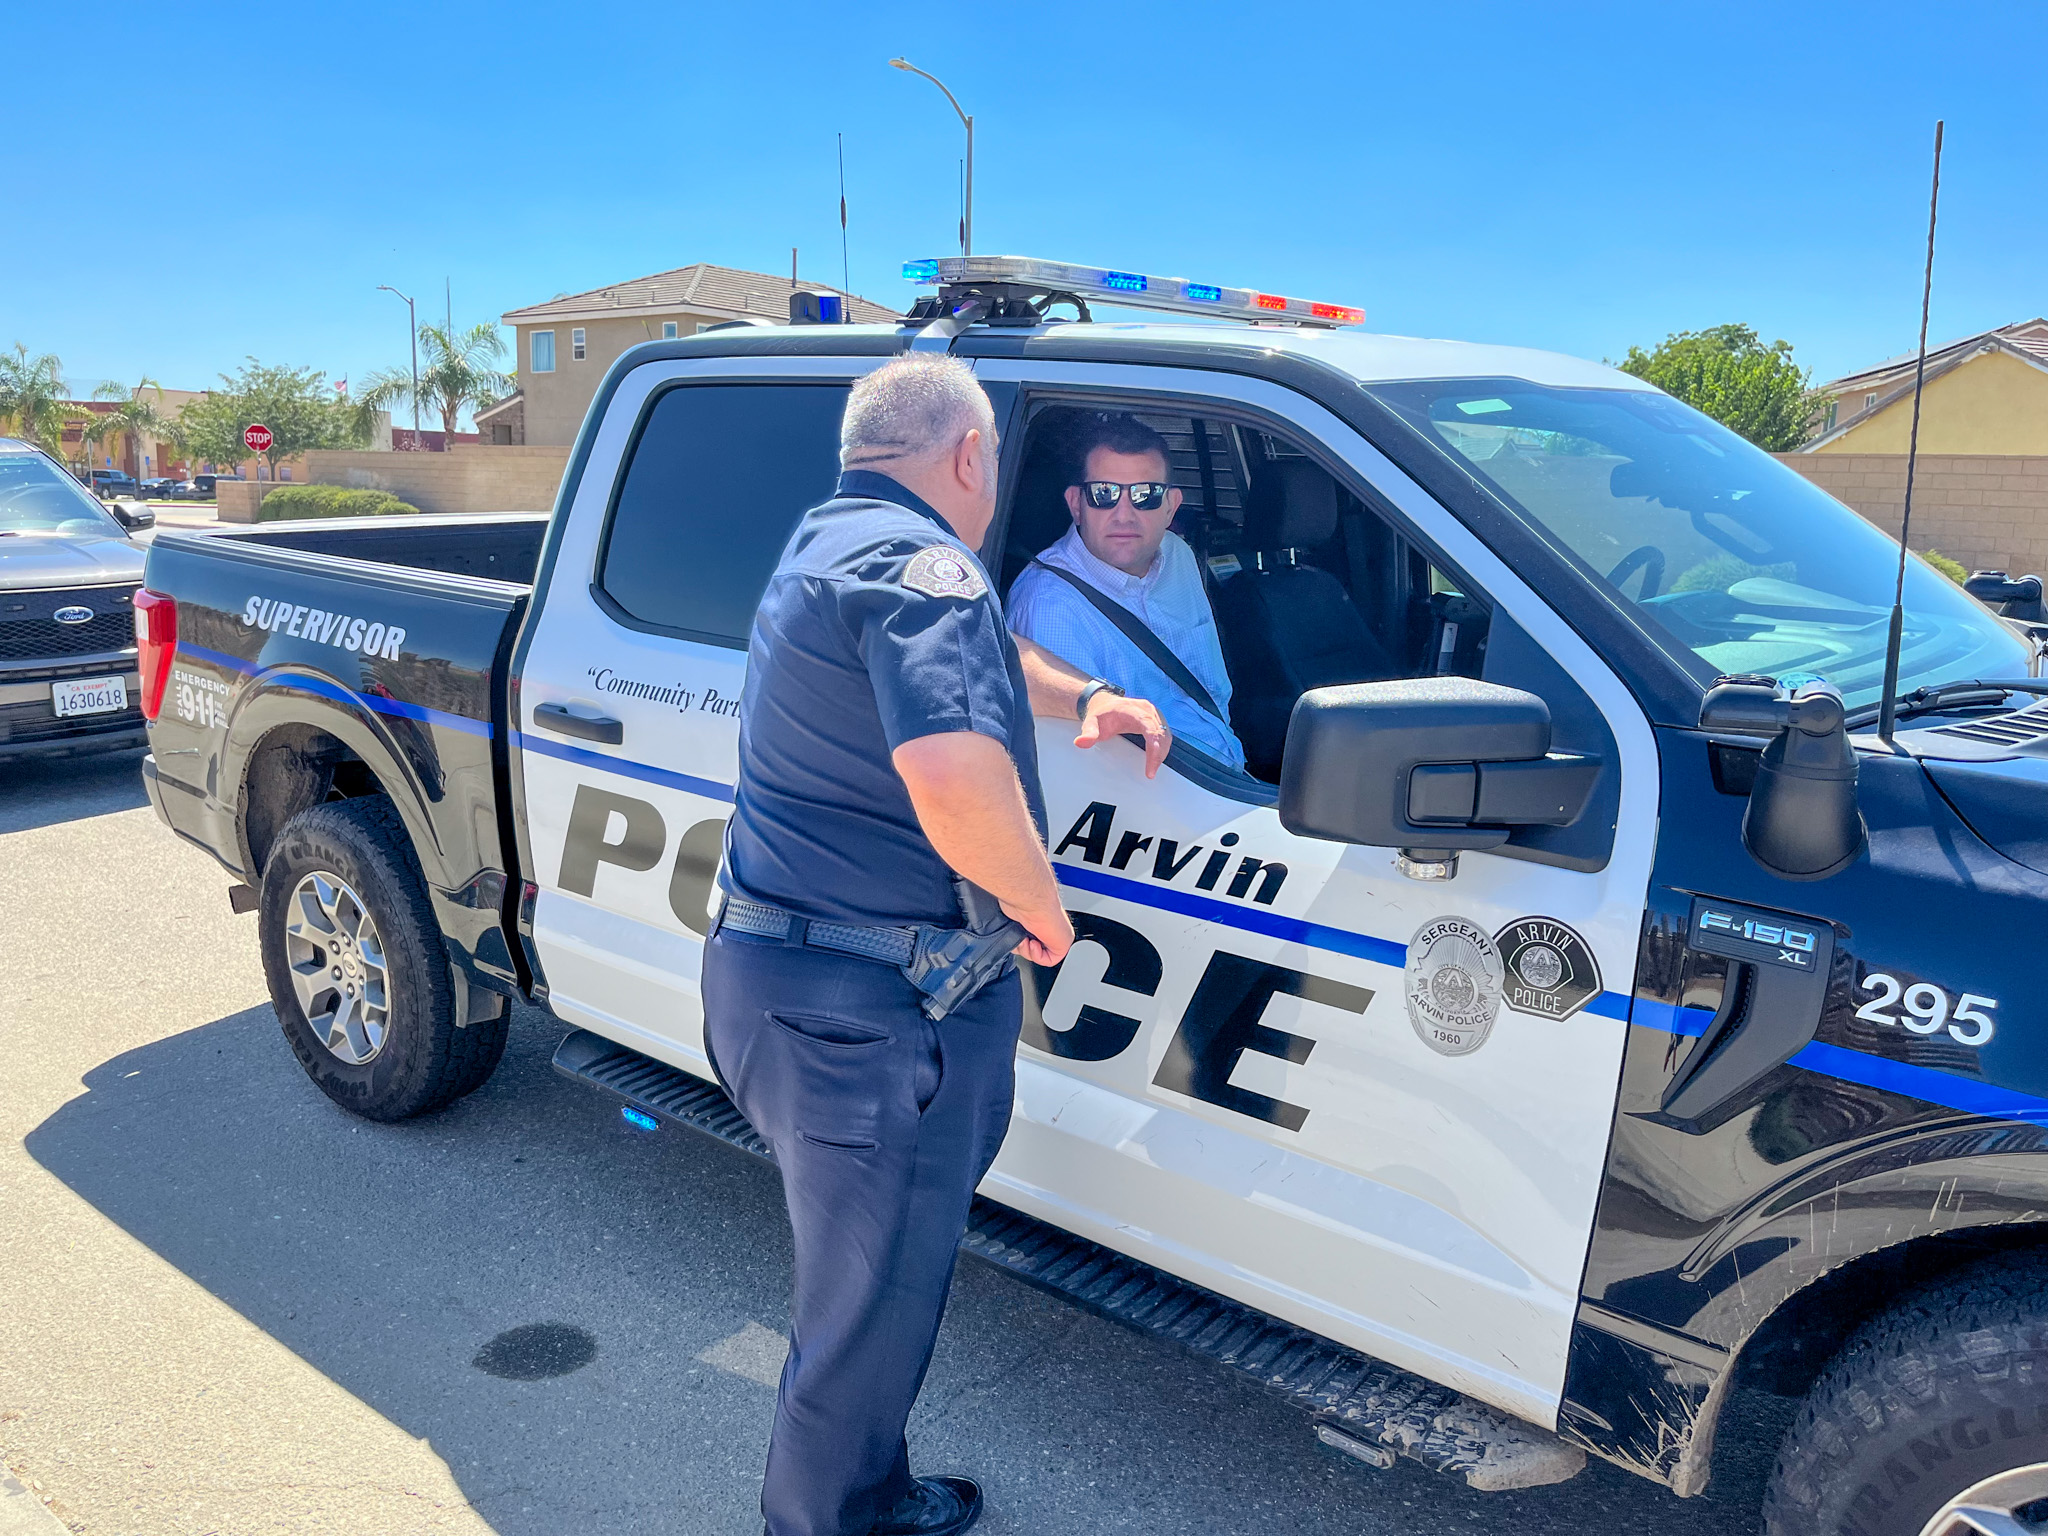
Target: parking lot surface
pixel 228 1307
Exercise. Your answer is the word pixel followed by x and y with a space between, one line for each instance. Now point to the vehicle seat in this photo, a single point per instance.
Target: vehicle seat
pixel 1289 627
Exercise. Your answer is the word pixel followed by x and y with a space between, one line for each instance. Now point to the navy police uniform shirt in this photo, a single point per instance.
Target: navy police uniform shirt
pixel 878 627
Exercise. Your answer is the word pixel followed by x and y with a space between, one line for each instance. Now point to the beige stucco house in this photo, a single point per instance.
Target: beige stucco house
pixel 1984 394
pixel 566 344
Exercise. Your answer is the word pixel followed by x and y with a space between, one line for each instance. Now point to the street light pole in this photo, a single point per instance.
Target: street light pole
pixel 967 213
pixel 412 331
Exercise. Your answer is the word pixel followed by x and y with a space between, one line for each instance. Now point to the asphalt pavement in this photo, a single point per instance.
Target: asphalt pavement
pixel 226 1306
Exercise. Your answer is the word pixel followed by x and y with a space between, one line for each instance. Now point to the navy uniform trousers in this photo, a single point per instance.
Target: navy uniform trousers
pixel 882 1123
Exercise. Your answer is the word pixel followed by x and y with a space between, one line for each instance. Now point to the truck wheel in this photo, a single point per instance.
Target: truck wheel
pixel 1933 1421
pixel 357 971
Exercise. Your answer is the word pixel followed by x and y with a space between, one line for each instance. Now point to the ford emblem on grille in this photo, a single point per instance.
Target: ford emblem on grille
pixel 72 615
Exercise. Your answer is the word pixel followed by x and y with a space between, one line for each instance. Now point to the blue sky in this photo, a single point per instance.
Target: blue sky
pixel 1570 176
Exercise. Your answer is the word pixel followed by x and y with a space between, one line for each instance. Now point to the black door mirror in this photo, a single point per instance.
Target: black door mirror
pixel 1430 766
pixel 133 515
pixel 1802 822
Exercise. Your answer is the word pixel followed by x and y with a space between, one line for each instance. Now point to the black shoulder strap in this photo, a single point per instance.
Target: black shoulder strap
pixel 1140 634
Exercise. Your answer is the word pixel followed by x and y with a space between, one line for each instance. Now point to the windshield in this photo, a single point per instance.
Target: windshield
pixel 1731 560
pixel 38 497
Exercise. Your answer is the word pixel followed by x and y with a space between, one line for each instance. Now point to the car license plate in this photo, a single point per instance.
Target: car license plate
pixel 89 695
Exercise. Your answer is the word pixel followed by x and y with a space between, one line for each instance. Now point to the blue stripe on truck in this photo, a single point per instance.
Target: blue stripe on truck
pixel 284 676
pixel 1928 1084
pixel 527 741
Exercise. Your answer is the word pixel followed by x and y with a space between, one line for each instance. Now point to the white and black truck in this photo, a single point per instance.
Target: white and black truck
pixel 1576 1011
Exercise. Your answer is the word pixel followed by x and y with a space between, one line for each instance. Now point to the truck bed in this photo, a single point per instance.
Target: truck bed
pixel 500 546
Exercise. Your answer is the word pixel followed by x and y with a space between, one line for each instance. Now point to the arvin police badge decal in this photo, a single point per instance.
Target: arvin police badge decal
pixel 1551 971
pixel 941 572
pixel 1454 983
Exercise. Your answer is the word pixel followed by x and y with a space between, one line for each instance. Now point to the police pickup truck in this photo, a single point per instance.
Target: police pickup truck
pixel 1576 1012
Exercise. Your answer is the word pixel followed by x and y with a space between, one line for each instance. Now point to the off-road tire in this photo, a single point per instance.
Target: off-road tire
pixel 1945 1390
pixel 425 1062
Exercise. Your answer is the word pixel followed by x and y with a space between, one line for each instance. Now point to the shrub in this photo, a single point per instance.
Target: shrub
pixel 1724 571
pixel 295 501
pixel 1952 569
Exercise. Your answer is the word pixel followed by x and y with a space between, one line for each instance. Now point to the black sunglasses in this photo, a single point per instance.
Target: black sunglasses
pixel 1146 495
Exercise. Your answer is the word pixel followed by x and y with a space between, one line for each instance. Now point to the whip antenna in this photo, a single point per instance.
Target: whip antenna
pixel 845 267
pixel 1888 701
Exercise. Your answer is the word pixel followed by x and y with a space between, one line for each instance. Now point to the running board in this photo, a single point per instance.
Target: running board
pixel 1379 1410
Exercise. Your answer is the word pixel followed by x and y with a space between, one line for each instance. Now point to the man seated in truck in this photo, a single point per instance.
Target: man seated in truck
pixel 1121 597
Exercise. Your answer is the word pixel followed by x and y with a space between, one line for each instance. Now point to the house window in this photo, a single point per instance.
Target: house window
pixel 543 352
pixel 1869 401
pixel 576 344
pixel 668 330
pixel 705 325
pixel 1831 416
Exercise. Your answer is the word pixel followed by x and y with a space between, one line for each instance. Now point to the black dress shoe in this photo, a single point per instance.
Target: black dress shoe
pixel 935 1506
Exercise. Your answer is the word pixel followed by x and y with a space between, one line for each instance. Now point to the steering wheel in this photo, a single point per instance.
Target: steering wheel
pixel 1648 559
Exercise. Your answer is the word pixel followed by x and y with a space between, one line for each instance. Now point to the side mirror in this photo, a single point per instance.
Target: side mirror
pixel 2014 597
pixel 133 515
pixel 1802 822
pixel 1428 766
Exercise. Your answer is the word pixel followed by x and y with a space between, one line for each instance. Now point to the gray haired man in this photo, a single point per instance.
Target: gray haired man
pixel 888 791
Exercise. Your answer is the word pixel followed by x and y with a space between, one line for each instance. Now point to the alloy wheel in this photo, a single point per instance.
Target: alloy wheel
pixel 2013 1503
pixel 338 967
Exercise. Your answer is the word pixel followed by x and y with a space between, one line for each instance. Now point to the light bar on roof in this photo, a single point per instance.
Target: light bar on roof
pixel 1133 290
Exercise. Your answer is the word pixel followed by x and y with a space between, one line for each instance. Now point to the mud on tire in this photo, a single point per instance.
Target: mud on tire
pixel 416 1060
pixel 1932 1398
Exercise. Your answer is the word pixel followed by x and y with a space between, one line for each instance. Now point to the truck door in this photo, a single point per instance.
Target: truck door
pixel 626 701
pixel 1374 1105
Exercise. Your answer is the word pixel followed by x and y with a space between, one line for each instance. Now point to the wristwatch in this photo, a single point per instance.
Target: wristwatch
pixel 1092 687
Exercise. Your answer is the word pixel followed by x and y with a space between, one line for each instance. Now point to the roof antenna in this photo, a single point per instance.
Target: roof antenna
pixel 845 267
pixel 1888 701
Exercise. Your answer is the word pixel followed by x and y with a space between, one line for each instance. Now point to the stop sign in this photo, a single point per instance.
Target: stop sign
pixel 257 436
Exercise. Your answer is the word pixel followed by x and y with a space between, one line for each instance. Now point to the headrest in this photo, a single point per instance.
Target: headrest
pixel 1292 505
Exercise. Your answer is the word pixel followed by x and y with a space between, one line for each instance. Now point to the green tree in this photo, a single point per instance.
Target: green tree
pixel 457 372
pixel 1728 373
pixel 295 403
pixel 34 399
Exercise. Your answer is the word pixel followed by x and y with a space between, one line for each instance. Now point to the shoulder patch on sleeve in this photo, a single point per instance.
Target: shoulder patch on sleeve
pixel 940 572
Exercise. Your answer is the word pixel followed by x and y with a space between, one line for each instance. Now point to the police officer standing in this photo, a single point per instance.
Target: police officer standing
pixel 888 800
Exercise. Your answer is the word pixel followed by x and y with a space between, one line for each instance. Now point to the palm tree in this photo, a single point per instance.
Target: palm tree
pixel 134 414
pixel 456 373
pixel 33 397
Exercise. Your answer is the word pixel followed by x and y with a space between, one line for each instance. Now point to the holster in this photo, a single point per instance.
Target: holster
pixel 950 965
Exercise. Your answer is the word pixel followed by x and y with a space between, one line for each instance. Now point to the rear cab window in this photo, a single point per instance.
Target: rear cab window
pixel 715 481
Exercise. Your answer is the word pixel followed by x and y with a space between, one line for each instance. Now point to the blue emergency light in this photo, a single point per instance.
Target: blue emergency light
pixel 639 1119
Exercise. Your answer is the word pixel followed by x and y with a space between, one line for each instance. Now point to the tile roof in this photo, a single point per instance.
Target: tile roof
pixel 2028 336
pixel 699 289
pixel 1893 380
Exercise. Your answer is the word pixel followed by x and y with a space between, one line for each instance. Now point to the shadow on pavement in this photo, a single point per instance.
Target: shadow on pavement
pixel 390 1257
pixel 44 791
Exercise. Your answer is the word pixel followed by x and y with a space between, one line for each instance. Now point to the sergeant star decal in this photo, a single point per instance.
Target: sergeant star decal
pixel 941 571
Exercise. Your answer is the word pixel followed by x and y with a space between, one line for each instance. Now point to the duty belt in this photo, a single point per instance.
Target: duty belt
pixel 889 946
pixel 948 965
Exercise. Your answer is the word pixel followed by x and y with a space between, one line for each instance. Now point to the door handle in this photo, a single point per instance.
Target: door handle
pixel 555 717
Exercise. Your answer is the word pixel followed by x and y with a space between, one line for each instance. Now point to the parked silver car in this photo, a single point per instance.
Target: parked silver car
pixel 69 567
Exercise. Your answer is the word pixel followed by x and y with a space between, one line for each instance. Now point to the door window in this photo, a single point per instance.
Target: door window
pixel 717 478
pixel 1309 583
